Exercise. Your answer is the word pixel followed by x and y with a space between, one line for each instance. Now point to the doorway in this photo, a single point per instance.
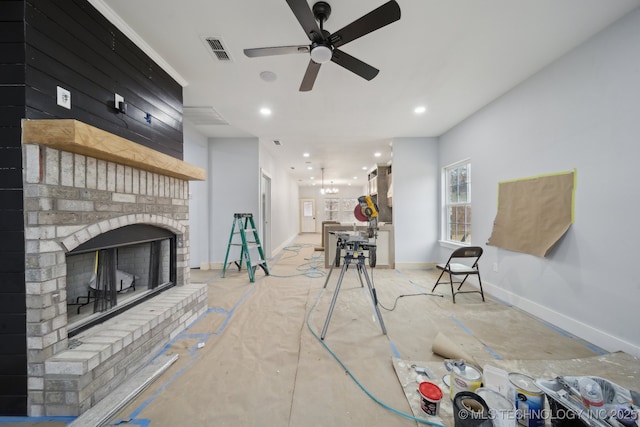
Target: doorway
pixel 307 215
pixel 265 213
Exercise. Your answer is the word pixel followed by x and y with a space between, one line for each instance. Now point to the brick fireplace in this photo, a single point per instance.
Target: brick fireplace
pixel 81 184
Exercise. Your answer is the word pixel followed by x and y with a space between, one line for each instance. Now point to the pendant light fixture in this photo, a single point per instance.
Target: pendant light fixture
pixel 332 190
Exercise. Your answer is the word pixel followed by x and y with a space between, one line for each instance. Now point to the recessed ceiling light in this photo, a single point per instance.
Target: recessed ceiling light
pixel 420 109
pixel 305 155
pixel 268 76
pixel 377 154
pixel 364 168
pixel 309 167
pixel 311 178
pixel 355 177
pixel 265 111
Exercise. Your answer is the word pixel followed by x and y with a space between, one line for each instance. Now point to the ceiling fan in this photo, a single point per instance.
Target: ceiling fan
pixel 324 46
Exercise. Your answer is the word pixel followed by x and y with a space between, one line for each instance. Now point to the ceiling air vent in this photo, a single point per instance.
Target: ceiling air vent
pixel 203 116
pixel 277 142
pixel 218 48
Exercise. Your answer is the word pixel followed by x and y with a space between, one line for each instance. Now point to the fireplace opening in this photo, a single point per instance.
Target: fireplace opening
pixel 117 270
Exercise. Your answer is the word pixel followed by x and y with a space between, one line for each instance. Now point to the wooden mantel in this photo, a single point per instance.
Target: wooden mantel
pixel 77 137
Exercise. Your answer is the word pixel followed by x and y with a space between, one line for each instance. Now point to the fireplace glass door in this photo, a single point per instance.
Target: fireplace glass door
pixel 102 281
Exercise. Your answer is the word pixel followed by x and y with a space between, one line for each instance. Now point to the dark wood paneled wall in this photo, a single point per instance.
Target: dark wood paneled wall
pixel 13 322
pixel 70 44
pixel 67 43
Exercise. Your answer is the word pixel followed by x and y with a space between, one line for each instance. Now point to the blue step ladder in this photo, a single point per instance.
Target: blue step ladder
pixel 242 225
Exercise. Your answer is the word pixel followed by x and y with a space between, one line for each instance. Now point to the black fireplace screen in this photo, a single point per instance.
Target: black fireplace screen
pixel 106 291
pixel 116 270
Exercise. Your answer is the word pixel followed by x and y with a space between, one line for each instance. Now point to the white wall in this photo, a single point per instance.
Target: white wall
pixel 415 199
pixel 581 112
pixel 196 152
pixel 233 168
pixel 234 187
pixel 284 201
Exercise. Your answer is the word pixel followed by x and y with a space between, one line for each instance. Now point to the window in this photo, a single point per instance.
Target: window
pixel 457 203
pixel 341 210
pixel 348 205
pixel 332 209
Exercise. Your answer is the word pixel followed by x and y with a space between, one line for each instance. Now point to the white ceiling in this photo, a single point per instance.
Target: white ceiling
pixel 452 56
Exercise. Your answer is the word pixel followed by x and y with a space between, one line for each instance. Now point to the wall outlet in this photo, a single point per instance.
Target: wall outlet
pixel 64 98
pixel 495 267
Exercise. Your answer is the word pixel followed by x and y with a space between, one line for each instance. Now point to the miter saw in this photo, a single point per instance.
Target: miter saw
pixel 367 211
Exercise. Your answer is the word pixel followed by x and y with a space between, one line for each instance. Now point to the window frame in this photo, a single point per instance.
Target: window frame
pixel 445 240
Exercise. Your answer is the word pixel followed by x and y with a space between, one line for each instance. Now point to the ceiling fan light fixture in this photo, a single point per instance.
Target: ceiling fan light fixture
pixel 325 46
pixel 321 54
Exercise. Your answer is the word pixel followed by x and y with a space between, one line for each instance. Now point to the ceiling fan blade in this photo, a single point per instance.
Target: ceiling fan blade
pixel 277 50
pixel 303 12
pixel 309 76
pixel 354 65
pixel 377 18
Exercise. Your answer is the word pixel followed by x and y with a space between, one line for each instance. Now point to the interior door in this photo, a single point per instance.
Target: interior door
pixel 307 215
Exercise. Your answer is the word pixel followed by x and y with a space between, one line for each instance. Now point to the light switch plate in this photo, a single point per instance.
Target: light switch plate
pixel 64 98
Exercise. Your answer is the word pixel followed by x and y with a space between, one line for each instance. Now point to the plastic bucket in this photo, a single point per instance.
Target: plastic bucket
pixel 430 397
pixel 502 410
pixel 528 400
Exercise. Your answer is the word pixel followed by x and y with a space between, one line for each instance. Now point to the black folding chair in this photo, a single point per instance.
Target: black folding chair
pixel 459 269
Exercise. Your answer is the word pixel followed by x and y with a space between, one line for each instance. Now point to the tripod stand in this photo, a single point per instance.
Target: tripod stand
pixel 354 246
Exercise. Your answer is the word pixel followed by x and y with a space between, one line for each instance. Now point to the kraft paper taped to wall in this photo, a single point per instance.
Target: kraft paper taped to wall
pixel 534 213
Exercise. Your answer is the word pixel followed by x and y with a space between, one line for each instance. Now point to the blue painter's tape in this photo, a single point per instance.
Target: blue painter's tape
pixel 194 357
pixel 468 331
pixel 590 346
pixel 596 349
pixel 233 309
pixel 464 328
pixel 395 351
pixel 143 422
pixel 493 353
pixel 200 336
pixel 558 330
pixel 218 310
pixel 146 403
pixel 416 286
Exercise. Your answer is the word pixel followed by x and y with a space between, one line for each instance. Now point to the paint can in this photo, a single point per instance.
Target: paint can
pixel 528 400
pixel 430 397
pixel 462 378
pixel 501 409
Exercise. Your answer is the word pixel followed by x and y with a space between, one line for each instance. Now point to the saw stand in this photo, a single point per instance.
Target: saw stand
pixel 354 247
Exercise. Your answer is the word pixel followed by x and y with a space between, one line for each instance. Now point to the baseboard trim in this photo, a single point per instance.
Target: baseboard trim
pixel 421 265
pixel 602 339
pixel 280 248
